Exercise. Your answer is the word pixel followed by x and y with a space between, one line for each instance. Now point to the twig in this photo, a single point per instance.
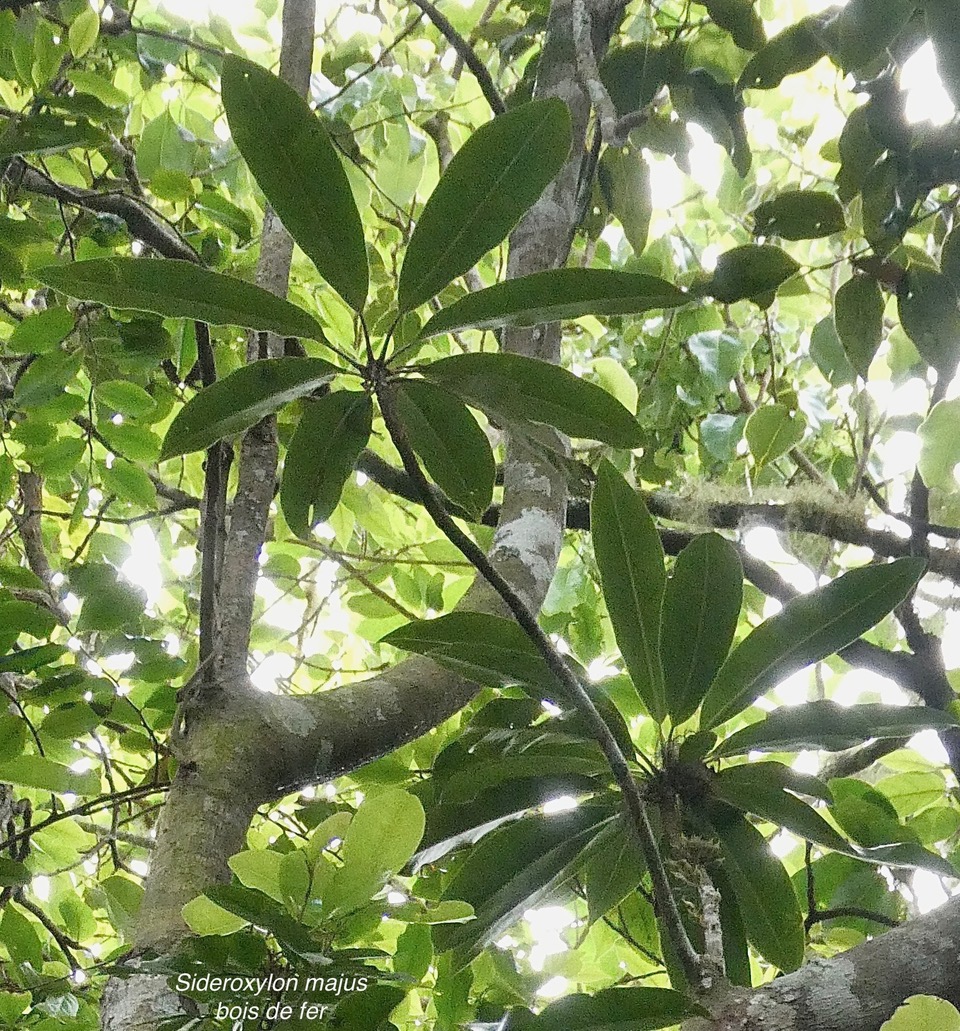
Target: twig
pixel 142 221
pixel 464 50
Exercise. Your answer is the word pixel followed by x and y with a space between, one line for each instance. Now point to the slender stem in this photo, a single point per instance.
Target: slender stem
pixel 636 811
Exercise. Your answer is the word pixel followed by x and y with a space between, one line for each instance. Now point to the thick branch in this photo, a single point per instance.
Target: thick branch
pixel 859 989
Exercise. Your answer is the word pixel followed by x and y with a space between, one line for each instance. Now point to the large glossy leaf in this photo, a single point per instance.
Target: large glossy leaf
pixel 630 559
pixel 765 896
pixel 332 432
pixel 484 648
pixel 513 388
pixel 809 628
pixel 613 870
pixel 566 293
pixel 701 605
pixel 514 869
pixel 494 177
pixel 298 169
pixel 617 1009
pixel 240 400
pixel 832 727
pixel 449 442
pixel 761 789
pixel 179 290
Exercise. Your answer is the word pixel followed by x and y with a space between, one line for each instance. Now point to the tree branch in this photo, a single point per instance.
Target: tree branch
pixel 142 221
pixel 859 989
pixel 466 53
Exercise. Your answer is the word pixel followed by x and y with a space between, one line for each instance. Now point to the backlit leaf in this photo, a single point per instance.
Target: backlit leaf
pixel 484 648
pixel 701 605
pixel 809 628
pixel 858 315
pixel 449 442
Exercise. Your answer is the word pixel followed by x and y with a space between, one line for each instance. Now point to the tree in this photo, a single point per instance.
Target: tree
pixel 364 602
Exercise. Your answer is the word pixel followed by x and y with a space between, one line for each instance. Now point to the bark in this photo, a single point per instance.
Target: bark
pixel 857 990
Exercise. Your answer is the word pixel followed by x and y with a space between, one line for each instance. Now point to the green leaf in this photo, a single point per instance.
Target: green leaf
pixel 799 215
pixel 26 660
pixel 930 315
pixel 940 445
pixel 125 397
pixel 765 896
pixel 613 870
pixel 615 379
pixel 238 401
pixel 740 19
pixel 634 74
pixel 332 432
pixel 13 874
pixel 624 178
pixel 83 32
pixel 943 24
pixel 18 934
pixel 450 443
pixel 12 1007
pixel 922 1013
pixel 828 352
pixel 630 559
pixel 750 271
pixel 555 295
pixel 293 160
pixel 259 869
pixel 719 355
pixel 25 617
pixel 858 315
pixel 484 191
pixel 794 50
pixel 826 725
pixel 381 839
pixel 809 628
pixel 617 1009
pixel 866 28
pixel 701 605
pixel 516 868
pixel 33 771
pixel 205 917
pixel 179 289
pixel 759 788
pixel 39 333
pixel 484 648
pixel 513 388
pixel 771 431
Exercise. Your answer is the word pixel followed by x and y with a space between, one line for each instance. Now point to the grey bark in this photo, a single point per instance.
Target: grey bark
pixel 856 991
